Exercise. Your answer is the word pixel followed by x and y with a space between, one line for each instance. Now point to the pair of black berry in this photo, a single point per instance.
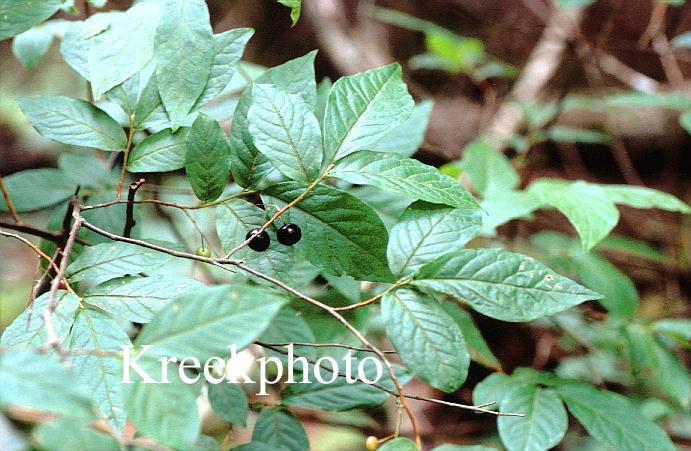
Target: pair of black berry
pixel 288 235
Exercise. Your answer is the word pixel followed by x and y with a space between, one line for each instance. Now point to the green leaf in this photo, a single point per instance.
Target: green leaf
pixel 479 351
pixel 295 7
pixel 202 322
pixel 184 54
pixel 488 169
pixel 587 206
pixel 393 172
pixel 110 260
pixel 285 130
pixel 620 297
pixel 76 43
pixel 682 40
pixel 29 329
pixel 124 48
pixel 544 424
pixel 674 327
pixel 68 435
pixel 257 446
pixel 296 76
pixel 34 189
pixel 230 402
pixel 672 100
pixel 407 138
pixel 17 16
pixel 37 381
pixel 427 339
pixel 656 366
pixel 426 231
pixel 228 48
pixel 165 412
pixel 100 374
pixel 281 429
pixel 562 133
pixel 612 419
pixel 207 160
pixel 73 121
pixel 362 108
pixel 506 206
pixel 389 205
pixel 641 197
pixel 137 299
pixel 685 120
pixel 99 175
pixel 161 152
pixel 340 395
pixel 288 326
pixel 449 447
pixel 323 90
pixel 502 284
pixel 568 4
pixel 399 444
pixel 492 389
pixel 343 235
pixel 30 46
pixel 237 217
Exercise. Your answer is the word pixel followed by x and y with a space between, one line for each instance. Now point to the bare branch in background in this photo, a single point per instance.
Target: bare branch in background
pixel 540 68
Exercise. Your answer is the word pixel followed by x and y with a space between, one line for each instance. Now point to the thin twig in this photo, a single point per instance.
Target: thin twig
pixel 53 340
pixel 129 210
pixel 8 201
pixel 170 204
pixel 479 408
pixel 55 237
pixel 220 262
pixel 38 251
pixel 324 345
pixel 330 310
pixel 283 210
pixel 373 299
pixel 214 261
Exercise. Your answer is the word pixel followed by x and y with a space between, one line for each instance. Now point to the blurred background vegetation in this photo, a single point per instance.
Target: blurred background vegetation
pixel 603 94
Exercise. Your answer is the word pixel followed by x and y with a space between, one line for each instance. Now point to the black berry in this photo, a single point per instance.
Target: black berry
pixel 289 234
pixel 259 241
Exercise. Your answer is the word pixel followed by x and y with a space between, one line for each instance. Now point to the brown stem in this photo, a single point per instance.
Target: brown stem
pixel 8 201
pixel 53 340
pixel 55 237
pixel 129 210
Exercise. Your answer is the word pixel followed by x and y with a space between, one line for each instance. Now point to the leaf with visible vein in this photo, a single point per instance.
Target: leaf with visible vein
pixel 341 234
pixel 202 322
pixel 207 162
pixel 393 172
pixel 286 131
pixel 362 108
pixel 184 53
pixel 73 121
pixel 100 374
pixel 427 339
pixel 137 299
pixel 110 260
pixel 612 420
pixel 426 231
pixel 502 284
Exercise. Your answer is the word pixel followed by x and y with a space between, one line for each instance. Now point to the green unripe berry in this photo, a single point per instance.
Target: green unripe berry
pixel 203 252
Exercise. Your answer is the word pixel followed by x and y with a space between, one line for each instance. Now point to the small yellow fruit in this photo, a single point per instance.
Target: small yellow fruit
pixel 203 252
pixel 372 443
